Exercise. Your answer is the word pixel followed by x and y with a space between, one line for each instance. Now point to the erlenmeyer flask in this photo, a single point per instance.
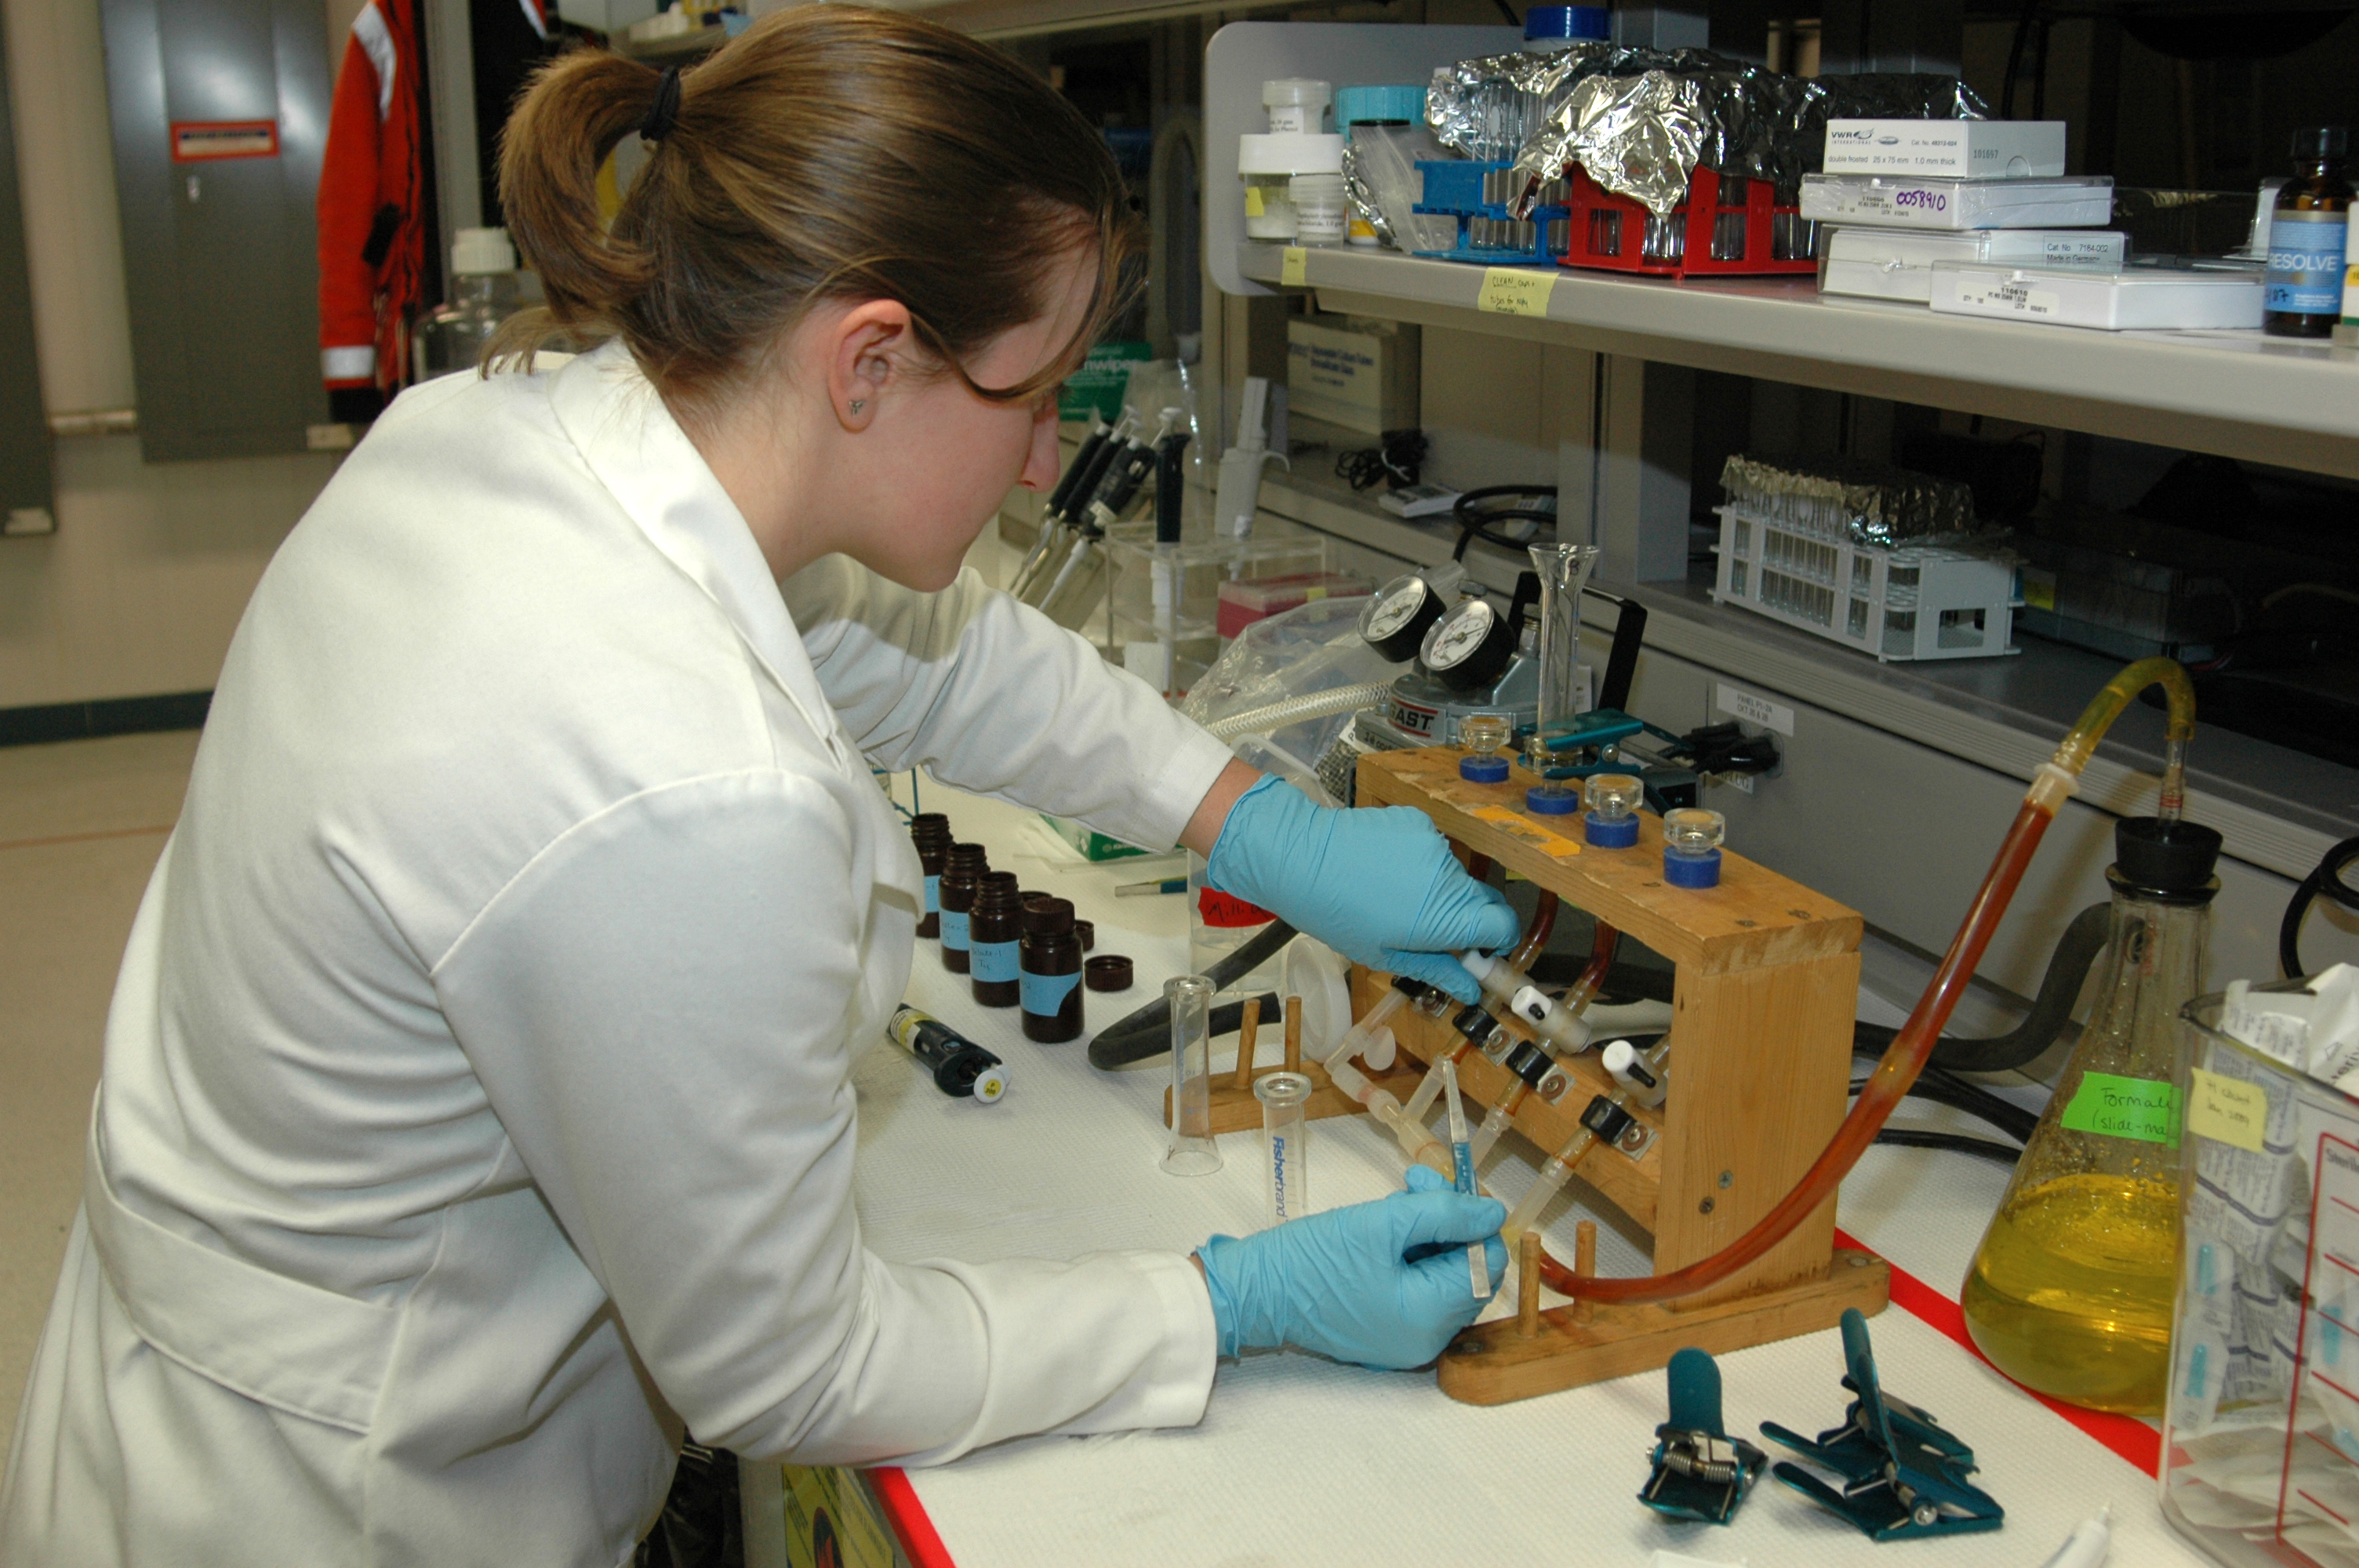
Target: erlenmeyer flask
pixel 2071 1292
pixel 1562 568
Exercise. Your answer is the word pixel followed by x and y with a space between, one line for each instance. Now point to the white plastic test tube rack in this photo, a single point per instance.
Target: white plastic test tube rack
pixel 1919 602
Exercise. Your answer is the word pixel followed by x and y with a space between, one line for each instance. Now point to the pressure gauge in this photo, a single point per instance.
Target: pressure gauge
pixel 1469 647
pixel 1395 619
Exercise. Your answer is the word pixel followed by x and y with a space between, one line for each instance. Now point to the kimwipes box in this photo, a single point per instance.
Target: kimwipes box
pixel 2012 149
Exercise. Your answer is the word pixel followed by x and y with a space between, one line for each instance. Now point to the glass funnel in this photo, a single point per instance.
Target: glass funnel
pixel 1563 569
pixel 2071 1292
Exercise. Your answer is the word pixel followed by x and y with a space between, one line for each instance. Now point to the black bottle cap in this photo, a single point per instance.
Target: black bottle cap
pixel 1107 972
pixel 1047 917
pixel 2322 141
pixel 2174 859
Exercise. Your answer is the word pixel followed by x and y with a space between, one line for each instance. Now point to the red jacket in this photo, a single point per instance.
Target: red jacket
pixel 372 222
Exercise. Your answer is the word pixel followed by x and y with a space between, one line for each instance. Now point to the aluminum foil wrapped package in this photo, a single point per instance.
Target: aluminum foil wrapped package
pixel 1844 499
pixel 1381 181
pixel 1727 115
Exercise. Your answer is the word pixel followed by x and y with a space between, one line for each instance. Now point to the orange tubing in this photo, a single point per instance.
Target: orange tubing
pixel 1536 933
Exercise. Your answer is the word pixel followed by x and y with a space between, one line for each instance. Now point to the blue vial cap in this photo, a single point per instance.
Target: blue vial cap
pixel 1585 23
pixel 1691 870
pixel 1619 834
pixel 1492 769
pixel 1551 800
pixel 1355 104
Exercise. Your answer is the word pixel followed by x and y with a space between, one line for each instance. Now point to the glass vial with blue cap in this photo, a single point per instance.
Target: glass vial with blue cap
pixel 1691 840
pixel 1484 735
pixel 1613 800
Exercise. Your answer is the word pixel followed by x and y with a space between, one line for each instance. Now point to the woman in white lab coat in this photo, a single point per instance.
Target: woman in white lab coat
pixel 476 1105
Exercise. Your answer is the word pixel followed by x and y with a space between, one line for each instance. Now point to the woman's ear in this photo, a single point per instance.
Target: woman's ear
pixel 868 350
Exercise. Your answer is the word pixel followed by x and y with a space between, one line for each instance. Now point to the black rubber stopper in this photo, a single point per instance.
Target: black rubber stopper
pixel 1107 972
pixel 2176 859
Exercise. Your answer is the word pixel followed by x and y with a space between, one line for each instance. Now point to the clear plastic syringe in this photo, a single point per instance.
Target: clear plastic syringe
pixel 1558 1170
pixel 1462 1160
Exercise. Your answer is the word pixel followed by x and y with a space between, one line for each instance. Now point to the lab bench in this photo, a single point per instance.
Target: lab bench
pixel 1301 1460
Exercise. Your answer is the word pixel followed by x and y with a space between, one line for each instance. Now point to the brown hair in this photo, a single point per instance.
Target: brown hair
pixel 829 152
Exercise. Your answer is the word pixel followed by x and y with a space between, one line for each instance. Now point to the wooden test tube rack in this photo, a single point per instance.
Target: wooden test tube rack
pixel 1764 993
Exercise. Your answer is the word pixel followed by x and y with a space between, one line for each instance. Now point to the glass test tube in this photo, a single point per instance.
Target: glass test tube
pixel 1562 568
pixel 1191 1151
pixel 1286 1141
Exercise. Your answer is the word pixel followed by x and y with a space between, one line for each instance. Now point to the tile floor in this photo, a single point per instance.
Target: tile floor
pixel 81 825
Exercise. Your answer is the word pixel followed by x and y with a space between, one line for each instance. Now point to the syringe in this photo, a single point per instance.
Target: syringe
pixel 961 1068
pixel 1461 1158
pixel 1606 1113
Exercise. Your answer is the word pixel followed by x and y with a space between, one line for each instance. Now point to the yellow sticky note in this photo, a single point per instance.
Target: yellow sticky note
pixel 1515 291
pixel 2227 1111
pixel 1253 202
pixel 1290 265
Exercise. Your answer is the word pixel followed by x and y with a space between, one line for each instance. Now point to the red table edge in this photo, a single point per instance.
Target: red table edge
pixel 2133 1440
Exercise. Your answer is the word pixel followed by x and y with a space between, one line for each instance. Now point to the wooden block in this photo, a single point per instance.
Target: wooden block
pixel 1760 1070
pixel 1755 916
pixel 1234 1109
pixel 1631 1186
pixel 1491 1364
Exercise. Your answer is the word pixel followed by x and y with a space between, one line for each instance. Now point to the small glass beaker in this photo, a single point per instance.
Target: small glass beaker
pixel 1692 840
pixel 1484 735
pixel 1190 1151
pixel 1613 800
pixel 1285 1143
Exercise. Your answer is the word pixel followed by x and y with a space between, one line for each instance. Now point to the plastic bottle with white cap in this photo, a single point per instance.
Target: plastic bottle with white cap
pixel 484 292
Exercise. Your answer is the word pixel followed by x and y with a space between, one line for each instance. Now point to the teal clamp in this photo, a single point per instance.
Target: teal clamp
pixel 1592 745
pixel 1904 1474
pixel 1699 1472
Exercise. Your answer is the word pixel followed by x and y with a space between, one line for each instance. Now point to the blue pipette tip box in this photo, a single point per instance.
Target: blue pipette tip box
pixel 1619 834
pixel 1484 770
pixel 1551 800
pixel 1691 870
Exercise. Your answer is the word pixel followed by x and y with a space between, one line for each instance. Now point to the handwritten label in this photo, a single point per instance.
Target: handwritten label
pixel 2116 1107
pixel 1515 291
pixel 2226 1109
pixel 1753 709
pixel 1291 264
pixel 1554 845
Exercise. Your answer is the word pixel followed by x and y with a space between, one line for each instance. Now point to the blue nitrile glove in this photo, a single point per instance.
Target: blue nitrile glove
pixel 1336 1283
pixel 1380 886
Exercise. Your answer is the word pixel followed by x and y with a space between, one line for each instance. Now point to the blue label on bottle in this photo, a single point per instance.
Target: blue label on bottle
pixel 1045 995
pixel 953 928
pixel 933 896
pixel 994 961
pixel 2306 264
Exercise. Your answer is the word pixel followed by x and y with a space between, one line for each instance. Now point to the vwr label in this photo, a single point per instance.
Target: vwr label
pixel 1755 709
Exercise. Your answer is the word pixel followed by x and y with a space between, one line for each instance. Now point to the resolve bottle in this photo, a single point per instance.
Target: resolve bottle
pixel 931 832
pixel 964 865
pixel 2071 1292
pixel 994 927
pixel 1050 978
pixel 2304 290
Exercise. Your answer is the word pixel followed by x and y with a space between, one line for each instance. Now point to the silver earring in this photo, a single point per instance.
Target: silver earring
pixel 858 403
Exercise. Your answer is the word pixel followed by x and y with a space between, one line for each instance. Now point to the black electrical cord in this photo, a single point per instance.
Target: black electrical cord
pixel 1148 1031
pixel 1395 463
pixel 2052 1008
pixel 1476 520
pixel 2326 881
pixel 1976 1101
pixel 1907 1137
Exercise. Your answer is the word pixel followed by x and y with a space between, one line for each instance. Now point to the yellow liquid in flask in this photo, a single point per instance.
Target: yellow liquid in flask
pixel 2072 1292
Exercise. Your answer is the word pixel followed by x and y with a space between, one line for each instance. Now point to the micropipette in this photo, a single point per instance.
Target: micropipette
pixel 961 1068
pixel 1461 1156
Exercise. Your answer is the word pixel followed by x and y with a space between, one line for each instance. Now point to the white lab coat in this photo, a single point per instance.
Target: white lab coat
pixel 476 1103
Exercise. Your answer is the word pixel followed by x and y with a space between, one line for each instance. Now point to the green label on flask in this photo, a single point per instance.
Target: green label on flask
pixel 2125 1108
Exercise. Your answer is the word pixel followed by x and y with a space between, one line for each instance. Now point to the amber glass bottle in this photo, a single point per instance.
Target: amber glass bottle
pixel 994 929
pixel 931 832
pixel 1052 978
pixel 2303 296
pixel 964 865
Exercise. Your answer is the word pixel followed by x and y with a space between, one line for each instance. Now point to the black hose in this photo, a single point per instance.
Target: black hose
pixel 2051 1009
pixel 1148 1031
pixel 1977 1102
pixel 1907 1137
pixel 2326 880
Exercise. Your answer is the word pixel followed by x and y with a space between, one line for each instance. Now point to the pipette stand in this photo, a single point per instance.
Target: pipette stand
pixel 1763 1002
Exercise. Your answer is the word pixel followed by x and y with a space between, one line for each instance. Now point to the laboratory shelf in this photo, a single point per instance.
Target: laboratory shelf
pixel 2243 394
pixel 2278 808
